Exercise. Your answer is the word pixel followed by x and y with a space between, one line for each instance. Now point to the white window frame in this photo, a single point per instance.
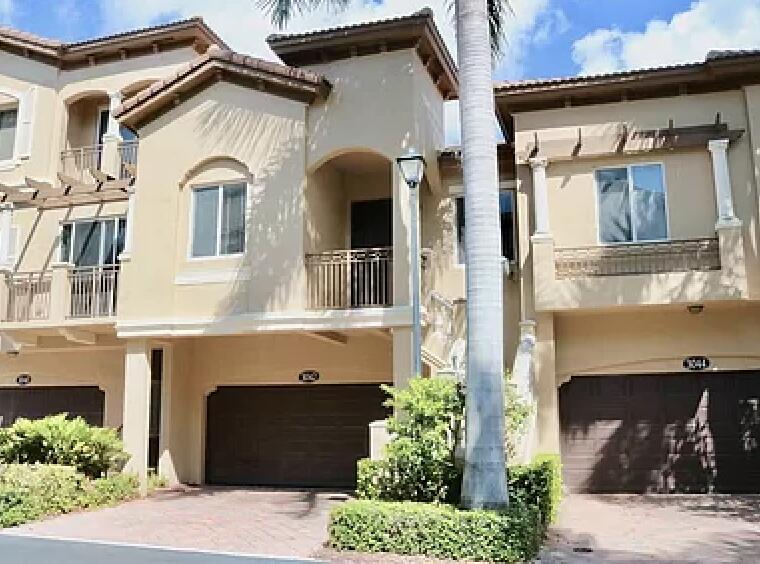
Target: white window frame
pixel 12 162
pixel 101 251
pixel 220 189
pixel 98 133
pixel 629 172
pixel 458 192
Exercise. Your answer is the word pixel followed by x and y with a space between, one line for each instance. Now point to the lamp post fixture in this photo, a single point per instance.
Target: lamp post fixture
pixel 412 167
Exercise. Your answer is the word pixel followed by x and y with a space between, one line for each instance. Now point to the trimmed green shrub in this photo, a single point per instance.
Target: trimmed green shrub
pixel 436 530
pixel 517 411
pixel 94 451
pixel 419 463
pixel 538 484
pixel 30 492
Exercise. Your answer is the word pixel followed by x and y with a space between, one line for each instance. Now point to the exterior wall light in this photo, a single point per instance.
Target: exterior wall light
pixel 412 166
pixel 695 309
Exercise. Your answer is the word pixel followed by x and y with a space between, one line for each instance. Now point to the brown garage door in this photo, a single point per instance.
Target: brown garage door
pixel 290 435
pixel 34 403
pixel 662 433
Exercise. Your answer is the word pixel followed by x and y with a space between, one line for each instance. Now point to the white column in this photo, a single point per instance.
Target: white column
pixel 403 357
pixel 115 99
pixel 137 409
pixel 126 254
pixel 6 232
pixel 540 196
pixel 719 150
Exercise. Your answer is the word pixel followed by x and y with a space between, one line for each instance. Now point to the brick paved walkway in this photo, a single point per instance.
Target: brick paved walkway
pixel 273 523
pixel 678 529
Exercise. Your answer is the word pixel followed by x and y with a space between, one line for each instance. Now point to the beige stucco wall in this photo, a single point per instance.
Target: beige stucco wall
pixel 55 88
pixel 102 367
pixel 236 135
pixel 688 173
pixel 199 366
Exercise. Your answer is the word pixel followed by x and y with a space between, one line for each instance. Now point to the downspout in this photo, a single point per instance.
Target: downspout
pixel 523 376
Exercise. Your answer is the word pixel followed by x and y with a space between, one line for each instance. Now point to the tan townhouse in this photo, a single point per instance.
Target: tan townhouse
pixel 212 253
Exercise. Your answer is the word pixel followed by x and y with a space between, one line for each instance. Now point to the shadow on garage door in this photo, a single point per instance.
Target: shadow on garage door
pixel 292 436
pixel 38 402
pixel 665 433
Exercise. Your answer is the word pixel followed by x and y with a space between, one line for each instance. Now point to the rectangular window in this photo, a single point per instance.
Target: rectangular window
pixel 507 216
pixel 632 204
pixel 93 242
pixel 218 220
pixel 8 121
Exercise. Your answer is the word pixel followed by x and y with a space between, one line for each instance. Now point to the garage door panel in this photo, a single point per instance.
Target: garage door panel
pixel 87 402
pixel 674 433
pixel 291 435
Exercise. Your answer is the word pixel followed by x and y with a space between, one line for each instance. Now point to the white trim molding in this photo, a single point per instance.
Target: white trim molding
pixel 292 321
pixel 198 277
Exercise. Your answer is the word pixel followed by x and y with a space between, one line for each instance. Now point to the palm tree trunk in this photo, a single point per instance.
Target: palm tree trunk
pixel 484 484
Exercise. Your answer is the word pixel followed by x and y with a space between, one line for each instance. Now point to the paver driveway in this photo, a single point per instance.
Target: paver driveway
pixel 681 529
pixel 274 523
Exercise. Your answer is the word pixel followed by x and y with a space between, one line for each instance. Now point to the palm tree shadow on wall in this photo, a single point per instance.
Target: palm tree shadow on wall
pixel 272 147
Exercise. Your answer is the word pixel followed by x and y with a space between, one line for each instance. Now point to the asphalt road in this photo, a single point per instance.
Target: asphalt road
pixel 16 549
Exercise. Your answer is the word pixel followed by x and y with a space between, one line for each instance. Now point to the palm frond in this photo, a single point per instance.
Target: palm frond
pixel 282 11
pixel 498 11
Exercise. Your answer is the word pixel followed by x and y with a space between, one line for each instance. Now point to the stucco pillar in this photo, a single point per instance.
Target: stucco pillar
pixel 110 162
pixel 6 234
pixel 60 291
pixel 403 362
pixel 547 405
pixel 402 236
pixel 126 254
pixel 137 409
pixel 540 196
pixel 523 377
pixel 722 177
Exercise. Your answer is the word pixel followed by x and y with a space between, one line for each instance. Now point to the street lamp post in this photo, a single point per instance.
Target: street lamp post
pixel 412 167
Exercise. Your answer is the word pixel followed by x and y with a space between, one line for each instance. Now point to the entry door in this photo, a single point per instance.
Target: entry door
pixel 371 228
pixel 371 224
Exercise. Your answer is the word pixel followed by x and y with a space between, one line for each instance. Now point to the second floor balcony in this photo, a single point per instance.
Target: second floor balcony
pixel 87 165
pixel 64 293
pixel 350 279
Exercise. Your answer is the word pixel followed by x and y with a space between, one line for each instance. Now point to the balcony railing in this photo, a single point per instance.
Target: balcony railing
pixel 77 163
pixel 347 279
pixel 93 291
pixel 128 159
pixel 28 296
pixel 645 258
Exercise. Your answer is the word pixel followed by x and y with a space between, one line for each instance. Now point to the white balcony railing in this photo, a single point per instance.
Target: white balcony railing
pixel 641 258
pixel 346 279
pixel 128 158
pixel 93 291
pixel 28 296
pixel 77 163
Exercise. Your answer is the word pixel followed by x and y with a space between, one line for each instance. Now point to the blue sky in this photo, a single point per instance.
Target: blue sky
pixel 547 37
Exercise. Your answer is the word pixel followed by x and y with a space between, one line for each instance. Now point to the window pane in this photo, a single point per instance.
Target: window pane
pixel 460 229
pixel 650 213
pixel 614 206
pixel 87 243
pixel 507 211
pixel 66 243
pixel 205 221
pixel 7 133
pixel 233 219
pixel 121 235
pixel 109 245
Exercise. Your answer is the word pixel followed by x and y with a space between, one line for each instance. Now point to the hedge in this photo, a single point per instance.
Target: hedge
pixel 436 530
pixel 538 484
pixel 30 492
pixel 93 451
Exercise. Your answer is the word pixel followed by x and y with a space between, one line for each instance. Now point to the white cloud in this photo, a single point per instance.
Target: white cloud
pixel 245 27
pixel 687 37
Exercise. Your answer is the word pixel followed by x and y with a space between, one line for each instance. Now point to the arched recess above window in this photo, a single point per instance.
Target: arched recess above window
pixel 218 168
